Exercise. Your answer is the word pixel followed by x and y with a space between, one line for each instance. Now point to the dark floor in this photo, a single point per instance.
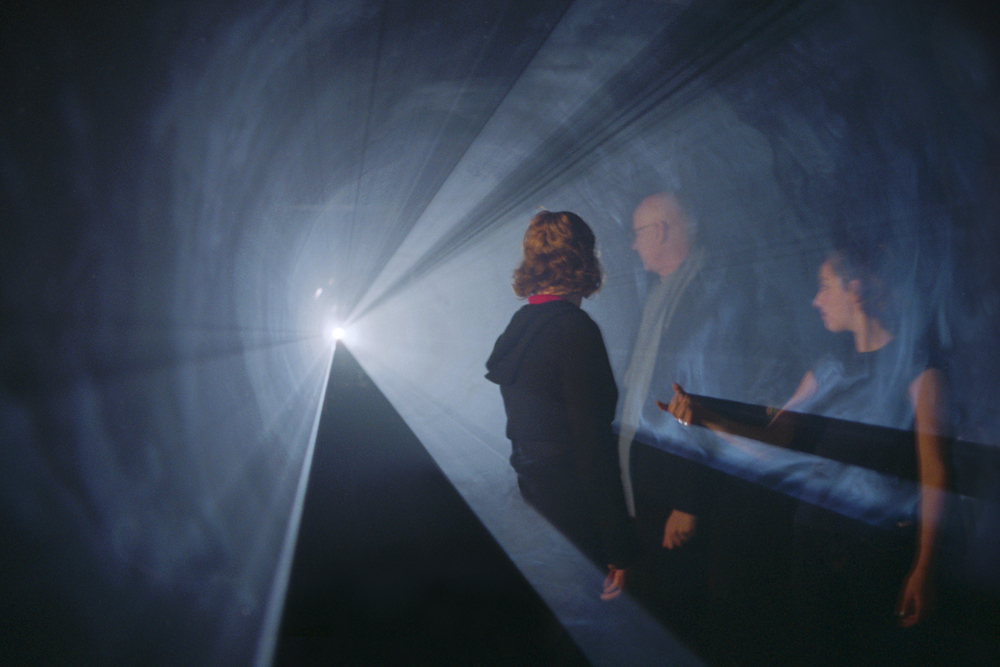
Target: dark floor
pixel 392 567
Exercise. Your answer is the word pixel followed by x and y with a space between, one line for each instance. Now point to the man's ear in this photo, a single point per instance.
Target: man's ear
pixel 661 230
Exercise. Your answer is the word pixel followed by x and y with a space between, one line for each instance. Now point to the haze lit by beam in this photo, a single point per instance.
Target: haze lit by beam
pixel 199 209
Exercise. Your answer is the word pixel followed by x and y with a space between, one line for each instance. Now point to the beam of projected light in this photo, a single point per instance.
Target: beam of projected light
pixel 271 624
pixel 280 181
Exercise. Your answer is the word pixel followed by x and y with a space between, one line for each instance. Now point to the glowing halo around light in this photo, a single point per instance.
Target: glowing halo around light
pixel 333 333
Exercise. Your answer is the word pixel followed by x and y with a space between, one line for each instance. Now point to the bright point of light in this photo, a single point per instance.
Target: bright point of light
pixel 332 334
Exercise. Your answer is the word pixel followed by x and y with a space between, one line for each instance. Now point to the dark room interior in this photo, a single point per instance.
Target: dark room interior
pixel 254 257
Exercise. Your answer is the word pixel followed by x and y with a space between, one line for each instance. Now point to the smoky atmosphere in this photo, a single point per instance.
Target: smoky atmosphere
pixel 256 273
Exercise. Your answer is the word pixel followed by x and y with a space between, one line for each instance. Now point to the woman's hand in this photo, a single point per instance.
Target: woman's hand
pixel 681 407
pixel 614 583
pixel 915 599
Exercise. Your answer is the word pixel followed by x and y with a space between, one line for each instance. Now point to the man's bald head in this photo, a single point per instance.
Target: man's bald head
pixel 661 233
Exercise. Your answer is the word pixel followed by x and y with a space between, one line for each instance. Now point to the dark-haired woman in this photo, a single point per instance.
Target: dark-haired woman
pixel 560 395
pixel 858 584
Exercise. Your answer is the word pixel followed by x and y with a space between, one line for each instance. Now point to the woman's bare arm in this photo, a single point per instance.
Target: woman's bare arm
pixel 927 395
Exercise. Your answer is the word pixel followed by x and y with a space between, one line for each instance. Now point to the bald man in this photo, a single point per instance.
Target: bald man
pixel 662 235
pixel 700 329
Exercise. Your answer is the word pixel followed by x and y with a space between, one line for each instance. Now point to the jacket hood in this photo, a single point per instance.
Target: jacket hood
pixel 508 353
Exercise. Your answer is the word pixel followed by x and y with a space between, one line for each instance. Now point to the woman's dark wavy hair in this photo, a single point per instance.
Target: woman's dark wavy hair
pixel 559 257
pixel 870 266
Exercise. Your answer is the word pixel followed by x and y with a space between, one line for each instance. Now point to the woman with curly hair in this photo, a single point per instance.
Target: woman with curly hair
pixel 560 395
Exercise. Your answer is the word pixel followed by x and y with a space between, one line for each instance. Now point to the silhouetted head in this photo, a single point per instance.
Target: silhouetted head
pixel 560 257
pixel 661 233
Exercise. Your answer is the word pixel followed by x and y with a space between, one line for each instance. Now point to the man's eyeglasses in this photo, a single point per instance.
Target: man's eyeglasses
pixel 636 230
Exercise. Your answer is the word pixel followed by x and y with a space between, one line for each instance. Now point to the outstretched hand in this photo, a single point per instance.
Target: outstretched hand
pixel 681 406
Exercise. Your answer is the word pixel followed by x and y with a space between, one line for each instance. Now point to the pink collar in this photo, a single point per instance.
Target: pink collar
pixel 543 298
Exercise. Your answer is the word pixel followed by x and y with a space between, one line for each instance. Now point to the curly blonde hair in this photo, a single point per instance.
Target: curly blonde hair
pixel 559 257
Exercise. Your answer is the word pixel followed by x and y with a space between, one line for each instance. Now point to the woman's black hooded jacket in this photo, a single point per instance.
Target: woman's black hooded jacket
pixel 560 396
